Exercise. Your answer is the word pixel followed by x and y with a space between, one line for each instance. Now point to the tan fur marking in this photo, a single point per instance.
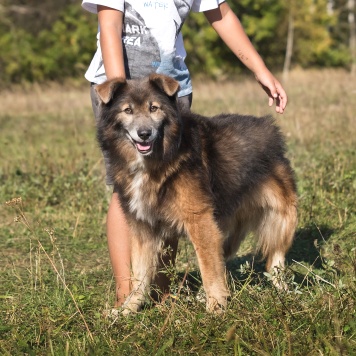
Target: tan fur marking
pixel 169 85
pixel 207 241
pixel 105 89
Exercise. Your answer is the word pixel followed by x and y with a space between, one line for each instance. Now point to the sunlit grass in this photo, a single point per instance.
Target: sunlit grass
pixel 55 275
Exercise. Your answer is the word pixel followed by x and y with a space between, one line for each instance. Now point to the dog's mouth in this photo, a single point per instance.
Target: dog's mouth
pixel 145 148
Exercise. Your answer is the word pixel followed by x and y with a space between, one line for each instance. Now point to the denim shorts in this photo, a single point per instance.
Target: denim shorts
pixel 185 102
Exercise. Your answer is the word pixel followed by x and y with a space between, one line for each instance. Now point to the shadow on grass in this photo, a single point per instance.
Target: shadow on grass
pixel 305 250
pixel 307 244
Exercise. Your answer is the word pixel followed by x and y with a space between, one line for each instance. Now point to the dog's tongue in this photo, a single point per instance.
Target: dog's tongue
pixel 143 146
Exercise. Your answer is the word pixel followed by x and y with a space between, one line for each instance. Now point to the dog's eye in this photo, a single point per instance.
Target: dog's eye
pixel 128 111
pixel 153 108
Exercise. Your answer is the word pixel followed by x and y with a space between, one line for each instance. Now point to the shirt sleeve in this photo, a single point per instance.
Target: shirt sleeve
pixel 92 5
pixel 205 5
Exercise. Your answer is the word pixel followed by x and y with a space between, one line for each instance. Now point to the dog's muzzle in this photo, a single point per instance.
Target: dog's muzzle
pixel 143 138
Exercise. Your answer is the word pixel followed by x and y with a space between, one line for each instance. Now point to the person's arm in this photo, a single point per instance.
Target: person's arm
pixel 110 22
pixel 230 30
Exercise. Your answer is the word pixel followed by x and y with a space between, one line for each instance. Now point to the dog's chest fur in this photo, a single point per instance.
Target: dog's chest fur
pixel 142 193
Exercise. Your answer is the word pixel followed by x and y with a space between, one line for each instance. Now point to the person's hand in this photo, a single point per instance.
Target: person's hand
pixel 274 90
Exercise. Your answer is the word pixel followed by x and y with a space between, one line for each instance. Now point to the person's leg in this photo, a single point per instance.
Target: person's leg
pixel 119 248
pixel 117 231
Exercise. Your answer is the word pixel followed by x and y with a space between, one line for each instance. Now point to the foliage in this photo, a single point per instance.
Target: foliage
pixel 55 275
pixel 265 23
pixel 314 42
pixel 60 52
pixel 208 54
pixel 56 40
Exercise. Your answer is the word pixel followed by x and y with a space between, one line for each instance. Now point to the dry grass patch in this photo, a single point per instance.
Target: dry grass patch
pixel 49 157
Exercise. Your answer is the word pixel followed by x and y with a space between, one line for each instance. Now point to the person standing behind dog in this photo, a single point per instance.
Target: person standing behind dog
pixel 136 38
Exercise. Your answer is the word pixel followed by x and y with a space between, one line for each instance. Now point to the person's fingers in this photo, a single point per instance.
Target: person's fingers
pixel 275 93
pixel 273 96
pixel 279 107
pixel 281 100
pixel 270 100
pixel 282 95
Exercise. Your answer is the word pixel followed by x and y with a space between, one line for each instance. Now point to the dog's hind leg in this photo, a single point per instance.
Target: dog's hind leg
pixel 144 262
pixel 275 236
pixel 207 240
pixel 276 227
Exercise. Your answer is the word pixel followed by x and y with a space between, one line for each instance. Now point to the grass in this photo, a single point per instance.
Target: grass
pixel 55 275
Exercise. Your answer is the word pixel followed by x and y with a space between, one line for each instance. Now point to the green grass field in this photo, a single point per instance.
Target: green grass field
pixel 55 274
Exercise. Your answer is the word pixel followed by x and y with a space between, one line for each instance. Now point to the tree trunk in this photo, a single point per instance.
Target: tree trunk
pixel 352 29
pixel 289 48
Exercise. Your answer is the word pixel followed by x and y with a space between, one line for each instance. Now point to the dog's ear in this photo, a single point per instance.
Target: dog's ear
pixel 106 90
pixel 169 85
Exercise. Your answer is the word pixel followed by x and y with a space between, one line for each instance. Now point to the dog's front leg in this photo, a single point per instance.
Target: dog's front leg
pixel 208 244
pixel 144 251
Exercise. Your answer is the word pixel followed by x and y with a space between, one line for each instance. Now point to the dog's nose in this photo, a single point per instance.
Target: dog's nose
pixel 144 133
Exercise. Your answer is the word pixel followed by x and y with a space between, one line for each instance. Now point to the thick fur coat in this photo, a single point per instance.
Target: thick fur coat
pixel 213 179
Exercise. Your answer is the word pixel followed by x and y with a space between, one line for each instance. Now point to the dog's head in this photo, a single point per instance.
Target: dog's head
pixel 142 113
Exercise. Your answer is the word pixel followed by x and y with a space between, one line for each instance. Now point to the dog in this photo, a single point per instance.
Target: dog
pixel 212 179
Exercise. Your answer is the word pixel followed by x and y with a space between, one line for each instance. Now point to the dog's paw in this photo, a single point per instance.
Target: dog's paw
pixel 280 284
pixel 112 313
pixel 132 305
pixel 216 305
pixel 277 277
pixel 127 311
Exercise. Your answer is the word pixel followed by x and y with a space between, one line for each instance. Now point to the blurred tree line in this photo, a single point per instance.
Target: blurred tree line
pixel 54 40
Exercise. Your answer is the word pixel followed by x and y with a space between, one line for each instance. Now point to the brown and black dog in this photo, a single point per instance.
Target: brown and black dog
pixel 213 179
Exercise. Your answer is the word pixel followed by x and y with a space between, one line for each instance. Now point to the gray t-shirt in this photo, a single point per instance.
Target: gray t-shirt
pixel 152 41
